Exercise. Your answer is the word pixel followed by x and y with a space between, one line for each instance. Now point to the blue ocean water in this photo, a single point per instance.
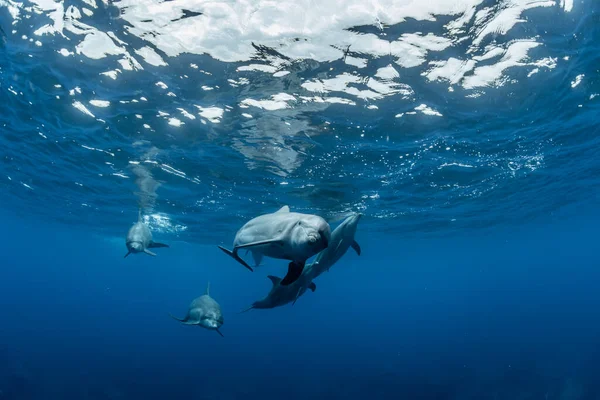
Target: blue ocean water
pixel 465 133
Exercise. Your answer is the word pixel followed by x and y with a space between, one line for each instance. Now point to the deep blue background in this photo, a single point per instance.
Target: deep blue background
pixel 476 282
pixel 499 316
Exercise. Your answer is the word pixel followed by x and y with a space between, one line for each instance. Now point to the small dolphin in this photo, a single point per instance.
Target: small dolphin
pixel 204 311
pixel 280 295
pixel 342 238
pixel 284 235
pixel 139 238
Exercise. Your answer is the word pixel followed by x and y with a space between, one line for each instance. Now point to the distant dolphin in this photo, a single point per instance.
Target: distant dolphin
pixel 279 295
pixel 342 238
pixel 205 312
pixel 139 238
pixel 284 235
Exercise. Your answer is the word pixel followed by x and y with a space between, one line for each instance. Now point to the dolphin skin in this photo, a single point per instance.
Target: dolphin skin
pixel 139 238
pixel 282 235
pixel 204 312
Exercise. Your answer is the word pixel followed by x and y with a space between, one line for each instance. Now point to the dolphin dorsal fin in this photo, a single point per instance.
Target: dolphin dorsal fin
pixel 284 209
pixel 207 289
pixel 275 280
pixel 139 215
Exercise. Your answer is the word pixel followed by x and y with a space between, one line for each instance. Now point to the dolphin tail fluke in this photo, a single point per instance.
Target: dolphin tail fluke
pixel 128 253
pixel 219 332
pixel 356 247
pixel 154 245
pixel 149 253
pixel 235 257
pixel 294 271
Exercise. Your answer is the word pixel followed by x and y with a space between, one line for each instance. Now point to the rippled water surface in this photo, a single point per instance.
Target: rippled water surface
pixel 427 117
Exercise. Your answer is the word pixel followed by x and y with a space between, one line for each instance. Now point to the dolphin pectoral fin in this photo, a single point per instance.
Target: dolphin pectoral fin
pixel 257 258
pixel 149 252
pixel 154 245
pixel 235 257
pixel 219 332
pixel 247 309
pixel 274 279
pixel 260 243
pixel 128 253
pixel 297 295
pixel 294 272
pixel 312 287
pixel 356 247
pixel 184 321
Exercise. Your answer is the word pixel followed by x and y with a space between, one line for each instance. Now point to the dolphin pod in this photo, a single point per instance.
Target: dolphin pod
pixel 283 235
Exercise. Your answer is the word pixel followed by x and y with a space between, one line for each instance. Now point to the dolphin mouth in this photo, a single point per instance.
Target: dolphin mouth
pixel 137 246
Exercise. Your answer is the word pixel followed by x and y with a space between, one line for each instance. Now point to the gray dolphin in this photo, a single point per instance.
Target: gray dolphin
pixel 205 312
pixel 280 295
pixel 139 238
pixel 342 238
pixel 283 235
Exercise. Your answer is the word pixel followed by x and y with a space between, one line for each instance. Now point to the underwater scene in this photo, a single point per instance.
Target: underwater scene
pixel 293 199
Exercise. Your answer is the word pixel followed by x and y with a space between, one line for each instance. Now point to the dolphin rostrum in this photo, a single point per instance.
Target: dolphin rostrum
pixel 205 312
pixel 283 235
pixel 139 238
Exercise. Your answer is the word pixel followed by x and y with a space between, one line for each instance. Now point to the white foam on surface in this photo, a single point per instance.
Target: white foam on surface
pixel 277 102
pixel 100 103
pixel 110 74
pixel 425 109
pixel 176 122
pixel 213 114
pixel 187 114
pixel 257 67
pixel 151 56
pixel 308 30
pixel 79 105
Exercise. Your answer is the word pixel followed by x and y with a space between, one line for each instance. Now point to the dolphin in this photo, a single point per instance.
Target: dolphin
pixel 342 238
pixel 283 235
pixel 280 295
pixel 205 312
pixel 139 238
